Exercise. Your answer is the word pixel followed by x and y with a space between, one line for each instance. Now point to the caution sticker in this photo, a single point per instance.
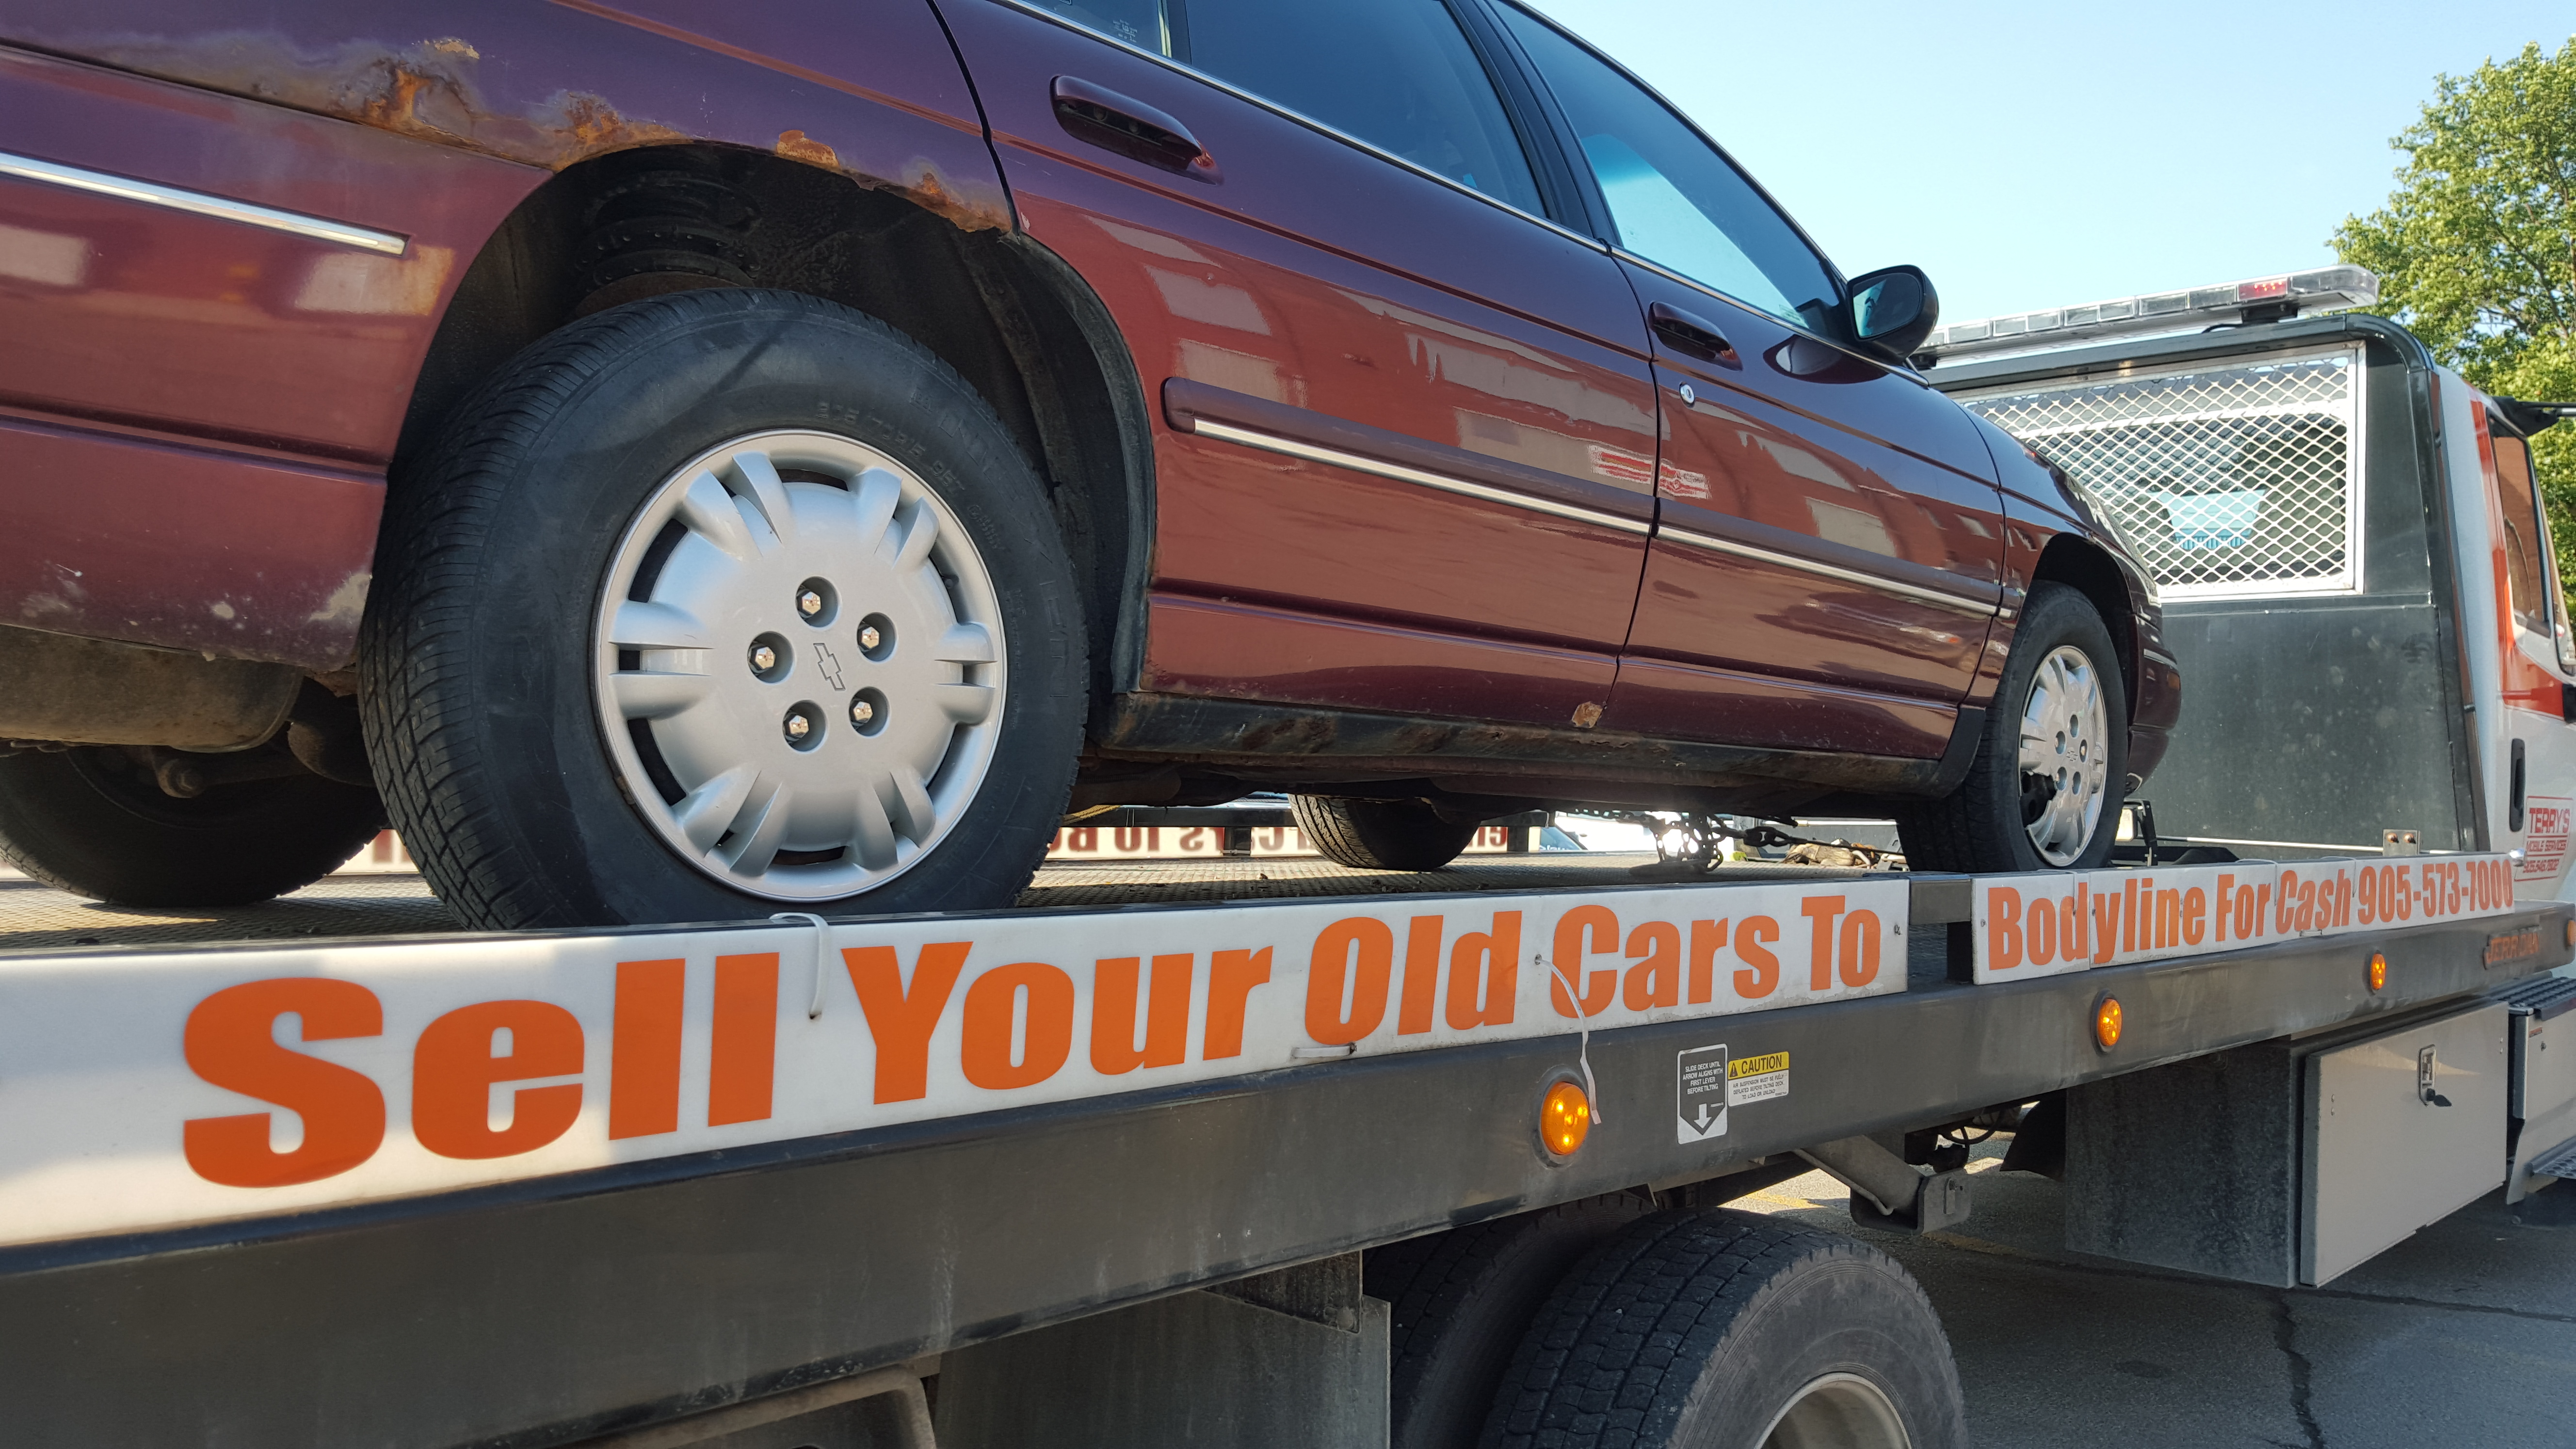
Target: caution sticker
pixel 1700 1094
pixel 1757 1079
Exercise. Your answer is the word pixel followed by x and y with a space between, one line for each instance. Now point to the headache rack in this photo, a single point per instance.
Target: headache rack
pixel 2230 478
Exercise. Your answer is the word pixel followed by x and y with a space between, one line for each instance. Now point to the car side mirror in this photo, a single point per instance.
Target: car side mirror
pixel 1892 311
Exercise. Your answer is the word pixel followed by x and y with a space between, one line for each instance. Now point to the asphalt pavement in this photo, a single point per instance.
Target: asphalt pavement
pixel 2463 1336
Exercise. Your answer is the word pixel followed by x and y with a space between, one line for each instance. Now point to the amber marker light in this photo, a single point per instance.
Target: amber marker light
pixel 1564 1118
pixel 2378 970
pixel 2106 1023
pixel 2571 931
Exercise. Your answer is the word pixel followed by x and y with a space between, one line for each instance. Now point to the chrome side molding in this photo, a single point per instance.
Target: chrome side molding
pixel 1982 608
pixel 1361 463
pixel 126 188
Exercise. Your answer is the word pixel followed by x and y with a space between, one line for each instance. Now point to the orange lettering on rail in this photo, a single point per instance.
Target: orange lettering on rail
pixel 900 1018
pixel 454 1069
pixel 230 1042
pixel 1353 960
pixel 644 1049
pixel 1231 977
pixel 1599 926
pixel 994 1015
pixel 1114 1051
pixel 742 1069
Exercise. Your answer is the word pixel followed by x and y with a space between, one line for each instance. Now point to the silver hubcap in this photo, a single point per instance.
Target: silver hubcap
pixel 1838 1411
pixel 799 665
pixel 2065 755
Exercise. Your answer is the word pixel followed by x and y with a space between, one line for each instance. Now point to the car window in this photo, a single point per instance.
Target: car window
pixel 1673 198
pixel 1397 74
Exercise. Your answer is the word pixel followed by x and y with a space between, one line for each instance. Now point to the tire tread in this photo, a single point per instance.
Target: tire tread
pixel 1344 832
pixel 1611 1360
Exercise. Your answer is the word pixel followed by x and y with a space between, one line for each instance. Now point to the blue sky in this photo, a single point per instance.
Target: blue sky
pixel 2038 155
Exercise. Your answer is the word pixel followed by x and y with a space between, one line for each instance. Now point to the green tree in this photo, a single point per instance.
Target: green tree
pixel 2476 248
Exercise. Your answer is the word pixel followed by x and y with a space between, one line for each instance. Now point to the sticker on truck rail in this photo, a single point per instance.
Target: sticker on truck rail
pixel 1706 1083
pixel 2544 840
pixel 2050 923
pixel 150 1090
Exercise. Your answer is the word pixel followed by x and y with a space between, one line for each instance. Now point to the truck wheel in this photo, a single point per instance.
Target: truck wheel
pixel 1462 1299
pixel 2044 791
pixel 1379 834
pixel 1727 1330
pixel 716 604
pixel 93 822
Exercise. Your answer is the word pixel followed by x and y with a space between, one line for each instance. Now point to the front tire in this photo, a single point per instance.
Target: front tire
pixel 1728 1330
pixel 2044 790
pixel 92 821
pixel 717 604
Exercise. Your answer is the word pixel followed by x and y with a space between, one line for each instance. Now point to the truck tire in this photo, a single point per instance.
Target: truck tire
pixel 1728 1330
pixel 2044 790
pixel 1461 1301
pixel 718 604
pixel 91 821
pixel 1380 834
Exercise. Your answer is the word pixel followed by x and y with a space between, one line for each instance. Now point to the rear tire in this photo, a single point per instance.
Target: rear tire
pixel 719 604
pixel 1461 1301
pixel 2060 714
pixel 1380 834
pixel 91 821
pixel 1728 1330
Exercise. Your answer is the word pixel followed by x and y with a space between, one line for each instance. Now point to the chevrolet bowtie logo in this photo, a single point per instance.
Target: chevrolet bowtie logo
pixel 830 666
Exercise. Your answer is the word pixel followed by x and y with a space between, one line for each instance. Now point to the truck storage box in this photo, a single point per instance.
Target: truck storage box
pixel 2540 1088
pixel 2287 1162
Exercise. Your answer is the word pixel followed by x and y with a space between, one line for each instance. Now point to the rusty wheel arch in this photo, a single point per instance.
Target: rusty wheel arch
pixel 1013 319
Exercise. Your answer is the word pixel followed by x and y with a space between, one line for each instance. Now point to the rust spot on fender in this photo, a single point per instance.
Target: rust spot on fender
pixel 924 187
pixel 428 89
pixel 1294 735
pixel 433 90
pixel 797 146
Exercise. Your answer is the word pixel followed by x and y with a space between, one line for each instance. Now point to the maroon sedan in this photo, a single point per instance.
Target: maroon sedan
pixel 686 461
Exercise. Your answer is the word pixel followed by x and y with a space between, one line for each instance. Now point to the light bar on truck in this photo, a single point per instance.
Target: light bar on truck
pixel 2260 299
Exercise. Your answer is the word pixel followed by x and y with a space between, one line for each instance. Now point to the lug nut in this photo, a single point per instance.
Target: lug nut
pixel 869 638
pixel 862 712
pixel 798 726
pixel 763 659
pixel 809 603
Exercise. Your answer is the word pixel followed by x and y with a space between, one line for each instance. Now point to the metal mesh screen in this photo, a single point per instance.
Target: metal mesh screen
pixel 2234 480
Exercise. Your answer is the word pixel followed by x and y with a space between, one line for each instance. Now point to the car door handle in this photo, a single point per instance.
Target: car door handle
pixel 1131 128
pixel 1692 334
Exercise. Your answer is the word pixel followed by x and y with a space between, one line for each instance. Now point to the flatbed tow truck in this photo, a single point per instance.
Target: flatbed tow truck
pixel 1246 1150
pixel 738 1196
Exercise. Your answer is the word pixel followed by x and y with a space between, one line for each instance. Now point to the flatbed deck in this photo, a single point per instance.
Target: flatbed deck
pixel 35 917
